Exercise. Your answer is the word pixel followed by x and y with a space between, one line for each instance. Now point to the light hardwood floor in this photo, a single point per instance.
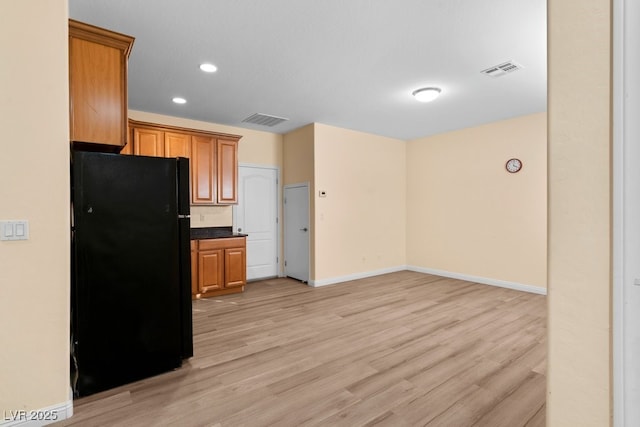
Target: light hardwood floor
pixel 402 349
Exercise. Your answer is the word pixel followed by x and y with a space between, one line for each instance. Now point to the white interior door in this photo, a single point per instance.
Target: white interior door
pixel 296 231
pixel 256 215
pixel 626 211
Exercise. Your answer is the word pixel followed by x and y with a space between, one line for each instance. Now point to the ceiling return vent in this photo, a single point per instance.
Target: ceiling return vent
pixel 502 69
pixel 264 120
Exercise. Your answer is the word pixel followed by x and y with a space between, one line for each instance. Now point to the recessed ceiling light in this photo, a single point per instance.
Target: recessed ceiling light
pixel 426 94
pixel 208 68
pixel 179 100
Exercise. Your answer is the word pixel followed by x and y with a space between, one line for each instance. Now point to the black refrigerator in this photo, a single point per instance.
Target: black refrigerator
pixel 131 270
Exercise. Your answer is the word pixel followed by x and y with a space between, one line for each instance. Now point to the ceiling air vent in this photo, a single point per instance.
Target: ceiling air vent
pixel 502 69
pixel 264 120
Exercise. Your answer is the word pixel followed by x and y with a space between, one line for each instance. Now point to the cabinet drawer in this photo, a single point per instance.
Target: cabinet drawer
pixel 224 243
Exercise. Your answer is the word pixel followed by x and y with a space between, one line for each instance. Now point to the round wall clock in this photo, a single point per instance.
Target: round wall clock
pixel 513 165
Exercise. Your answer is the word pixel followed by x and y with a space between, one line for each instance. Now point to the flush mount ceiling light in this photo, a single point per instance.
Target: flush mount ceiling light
pixel 208 68
pixel 426 94
pixel 179 100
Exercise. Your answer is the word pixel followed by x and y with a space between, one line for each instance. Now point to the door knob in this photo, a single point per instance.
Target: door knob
pixel 304 229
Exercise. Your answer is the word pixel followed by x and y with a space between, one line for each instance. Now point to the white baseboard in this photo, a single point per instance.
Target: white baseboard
pixel 469 278
pixel 37 417
pixel 355 276
pixel 483 280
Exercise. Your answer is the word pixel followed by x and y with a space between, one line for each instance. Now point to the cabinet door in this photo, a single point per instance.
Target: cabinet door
pixel 210 269
pixel 235 268
pixel 177 145
pixel 203 153
pixel 148 142
pixel 227 171
pixel 127 149
pixel 98 84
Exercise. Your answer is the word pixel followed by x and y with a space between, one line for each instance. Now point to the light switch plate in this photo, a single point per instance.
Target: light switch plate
pixel 14 230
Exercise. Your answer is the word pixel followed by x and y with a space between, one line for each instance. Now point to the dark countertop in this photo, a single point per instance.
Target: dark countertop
pixel 214 233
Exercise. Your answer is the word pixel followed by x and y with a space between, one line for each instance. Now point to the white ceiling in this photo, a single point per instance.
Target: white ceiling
pixel 346 63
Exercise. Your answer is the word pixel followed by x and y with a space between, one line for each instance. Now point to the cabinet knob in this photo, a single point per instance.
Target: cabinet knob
pixel 304 229
pixel 239 230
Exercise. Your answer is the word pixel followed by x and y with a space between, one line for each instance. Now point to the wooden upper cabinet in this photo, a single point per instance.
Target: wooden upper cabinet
pixel 177 145
pixel 203 170
pixel 148 142
pixel 227 171
pixel 156 142
pixel 213 158
pixel 98 85
pixel 127 149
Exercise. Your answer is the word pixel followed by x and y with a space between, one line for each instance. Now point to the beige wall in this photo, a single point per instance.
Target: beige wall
pixel 299 164
pixel 35 301
pixel 298 155
pixel 467 215
pixel 360 226
pixel 579 382
pixel 34 171
pixel 256 147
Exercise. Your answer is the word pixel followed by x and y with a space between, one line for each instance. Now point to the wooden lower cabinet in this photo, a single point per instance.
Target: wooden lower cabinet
pixel 218 266
pixel 210 271
pixel 235 267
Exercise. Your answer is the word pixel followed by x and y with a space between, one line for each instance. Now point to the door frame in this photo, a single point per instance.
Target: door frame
pixel 279 235
pixel 311 228
pixel 626 202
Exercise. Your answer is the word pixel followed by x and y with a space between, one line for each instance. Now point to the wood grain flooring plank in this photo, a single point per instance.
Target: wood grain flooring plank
pixel 538 419
pixel 375 406
pixel 319 409
pixel 519 407
pixel 400 349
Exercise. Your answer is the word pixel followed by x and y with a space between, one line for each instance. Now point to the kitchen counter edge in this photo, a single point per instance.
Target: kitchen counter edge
pixel 208 233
